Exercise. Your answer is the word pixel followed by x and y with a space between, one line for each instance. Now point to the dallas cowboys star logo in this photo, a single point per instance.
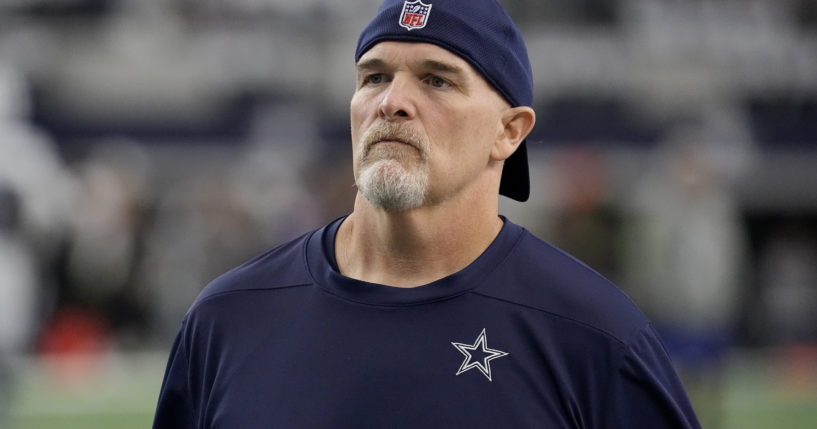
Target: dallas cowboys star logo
pixel 483 364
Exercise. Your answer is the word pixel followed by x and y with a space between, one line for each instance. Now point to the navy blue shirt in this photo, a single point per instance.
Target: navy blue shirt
pixel 524 337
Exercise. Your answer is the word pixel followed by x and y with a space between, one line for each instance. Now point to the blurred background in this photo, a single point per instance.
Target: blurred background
pixel 147 146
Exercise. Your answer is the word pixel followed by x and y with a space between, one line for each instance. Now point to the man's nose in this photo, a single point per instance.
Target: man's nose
pixel 398 102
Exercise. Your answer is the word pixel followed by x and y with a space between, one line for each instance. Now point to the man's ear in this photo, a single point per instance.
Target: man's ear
pixel 514 125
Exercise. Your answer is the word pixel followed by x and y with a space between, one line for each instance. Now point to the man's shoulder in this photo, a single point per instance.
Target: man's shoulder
pixel 543 278
pixel 283 266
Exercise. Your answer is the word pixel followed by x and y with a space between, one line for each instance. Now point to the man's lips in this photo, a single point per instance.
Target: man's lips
pixel 394 141
pixel 390 140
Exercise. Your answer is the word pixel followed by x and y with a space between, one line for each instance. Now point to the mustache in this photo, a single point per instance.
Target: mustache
pixel 394 132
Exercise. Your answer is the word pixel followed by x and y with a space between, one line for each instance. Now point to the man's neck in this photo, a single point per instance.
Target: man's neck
pixel 415 247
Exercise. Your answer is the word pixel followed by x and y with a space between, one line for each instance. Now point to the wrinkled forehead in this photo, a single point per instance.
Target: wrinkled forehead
pixel 393 53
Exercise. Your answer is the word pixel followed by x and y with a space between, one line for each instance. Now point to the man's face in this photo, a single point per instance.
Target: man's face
pixel 423 124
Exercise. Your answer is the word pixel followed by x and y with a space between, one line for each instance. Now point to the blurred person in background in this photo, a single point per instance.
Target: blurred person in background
pixel 31 165
pixel 787 318
pixel 585 224
pixel 685 263
pixel 106 247
pixel 18 289
pixel 35 214
pixel 424 307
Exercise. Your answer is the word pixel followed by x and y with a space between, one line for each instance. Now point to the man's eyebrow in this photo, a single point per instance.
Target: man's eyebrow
pixel 433 65
pixel 372 63
pixel 443 67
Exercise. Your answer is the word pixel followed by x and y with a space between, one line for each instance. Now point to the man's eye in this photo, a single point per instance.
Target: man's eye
pixel 374 78
pixel 437 82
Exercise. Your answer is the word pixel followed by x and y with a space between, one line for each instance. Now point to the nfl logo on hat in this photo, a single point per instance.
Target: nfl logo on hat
pixel 415 15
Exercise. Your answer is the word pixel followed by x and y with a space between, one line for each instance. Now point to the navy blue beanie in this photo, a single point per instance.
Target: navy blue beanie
pixel 478 31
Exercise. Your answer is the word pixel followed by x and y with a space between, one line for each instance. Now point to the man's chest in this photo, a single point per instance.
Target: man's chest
pixel 467 368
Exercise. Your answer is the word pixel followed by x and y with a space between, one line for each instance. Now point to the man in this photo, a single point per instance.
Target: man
pixel 424 308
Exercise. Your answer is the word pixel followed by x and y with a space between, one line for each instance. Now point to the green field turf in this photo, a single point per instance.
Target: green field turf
pixel 113 392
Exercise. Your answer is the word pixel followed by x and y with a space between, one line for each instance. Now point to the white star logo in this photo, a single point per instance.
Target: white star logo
pixel 483 364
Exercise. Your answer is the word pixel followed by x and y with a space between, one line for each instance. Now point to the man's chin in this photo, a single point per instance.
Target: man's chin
pixel 392 206
pixel 386 184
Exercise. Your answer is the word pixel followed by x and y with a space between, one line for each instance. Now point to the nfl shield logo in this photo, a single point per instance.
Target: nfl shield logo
pixel 415 14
